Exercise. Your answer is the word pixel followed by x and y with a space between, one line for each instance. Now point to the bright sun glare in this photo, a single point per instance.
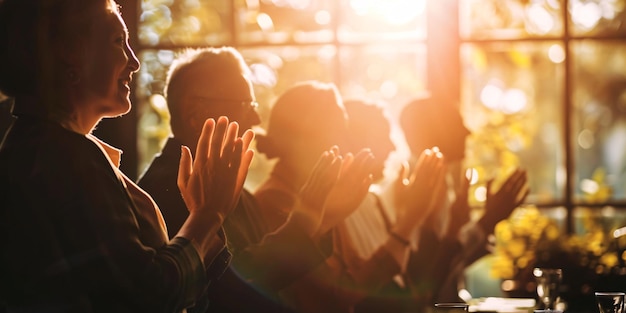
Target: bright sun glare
pixel 395 12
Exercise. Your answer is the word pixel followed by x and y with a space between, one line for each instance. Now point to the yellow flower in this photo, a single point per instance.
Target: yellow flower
pixel 609 259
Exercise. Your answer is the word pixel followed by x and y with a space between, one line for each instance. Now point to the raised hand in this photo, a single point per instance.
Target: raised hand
pixel 315 190
pixel 211 183
pixel 350 189
pixel 500 204
pixel 420 191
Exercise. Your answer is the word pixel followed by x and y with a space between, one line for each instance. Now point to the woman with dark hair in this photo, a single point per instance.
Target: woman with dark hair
pixel 78 235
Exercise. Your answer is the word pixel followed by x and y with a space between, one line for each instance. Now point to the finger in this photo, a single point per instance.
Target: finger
pixel 515 181
pixel 246 159
pixel 429 161
pixel 316 173
pixel 184 168
pixel 321 179
pixel 348 160
pixel 366 183
pixel 427 171
pixel 336 166
pixel 331 175
pixel 363 157
pixel 424 166
pixel 322 162
pixel 238 160
pixel 204 142
pixel 522 195
pixel 217 139
pixel 363 164
pixel 247 138
pixel 231 142
pixel 237 154
pixel 518 184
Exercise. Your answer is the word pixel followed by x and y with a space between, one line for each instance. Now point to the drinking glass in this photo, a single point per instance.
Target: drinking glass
pixel 451 307
pixel 610 302
pixel 548 283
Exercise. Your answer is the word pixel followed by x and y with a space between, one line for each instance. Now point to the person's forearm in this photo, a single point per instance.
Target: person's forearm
pixel 201 229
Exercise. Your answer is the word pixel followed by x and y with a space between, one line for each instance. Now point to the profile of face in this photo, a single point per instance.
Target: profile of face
pixel 105 68
pixel 232 96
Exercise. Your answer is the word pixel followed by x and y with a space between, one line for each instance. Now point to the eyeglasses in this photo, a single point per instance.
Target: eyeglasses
pixel 246 105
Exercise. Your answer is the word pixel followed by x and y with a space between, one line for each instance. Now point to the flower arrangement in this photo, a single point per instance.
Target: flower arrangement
pixel 594 260
pixel 517 240
pixel 529 238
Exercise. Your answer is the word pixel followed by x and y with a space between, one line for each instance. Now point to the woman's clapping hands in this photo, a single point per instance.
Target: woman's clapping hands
pixel 211 183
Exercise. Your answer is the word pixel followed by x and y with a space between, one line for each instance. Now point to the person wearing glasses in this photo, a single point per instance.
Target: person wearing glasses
pixel 213 82
pixel 201 83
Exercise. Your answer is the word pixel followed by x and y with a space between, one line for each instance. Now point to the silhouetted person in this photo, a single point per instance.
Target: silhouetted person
pixel 207 83
pixel 427 122
pixel 376 219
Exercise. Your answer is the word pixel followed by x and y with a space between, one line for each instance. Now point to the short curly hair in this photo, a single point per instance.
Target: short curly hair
pixel 191 63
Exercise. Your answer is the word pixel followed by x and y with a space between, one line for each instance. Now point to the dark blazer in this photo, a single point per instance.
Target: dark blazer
pixel 74 239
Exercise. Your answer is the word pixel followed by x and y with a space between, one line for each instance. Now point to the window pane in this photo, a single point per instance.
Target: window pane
pixel 285 21
pixel 275 69
pixel 605 220
pixel 499 19
pixel 597 17
pixel 184 22
pixel 512 102
pixel 366 20
pixel 395 74
pixel 153 127
pixel 599 124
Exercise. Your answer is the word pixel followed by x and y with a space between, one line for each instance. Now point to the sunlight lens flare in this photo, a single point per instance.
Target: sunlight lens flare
pixel 556 54
pixel 265 22
pixel 508 101
pixel 394 12
pixel 586 15
pixel 540 19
